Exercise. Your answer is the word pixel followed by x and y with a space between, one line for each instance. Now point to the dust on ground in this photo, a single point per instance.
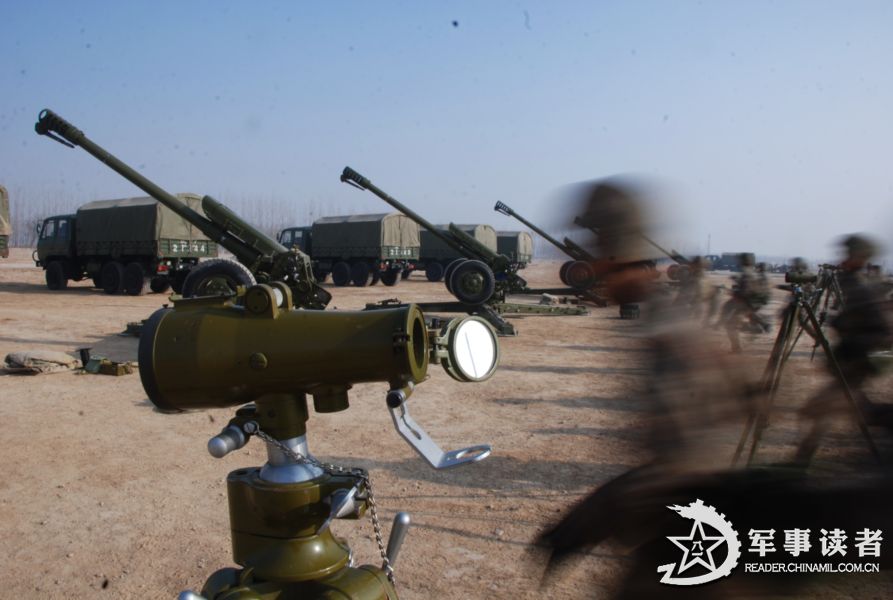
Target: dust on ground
pixel 104 496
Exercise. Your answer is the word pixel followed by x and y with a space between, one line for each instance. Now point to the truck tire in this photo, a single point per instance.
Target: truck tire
pixel 112 277
pixel 97 280
pixel 341 274
pixel 376 275
pixel 55 275
pixel 405 273
pixel 360 274
pixel 178 279
pixel 562 272
pixel 159 284
pixel 391 277
pixel 319 275
pixel 580 275
pixel 216 277
pixel 135 279
pixel 472 282
pixel 434 271
pixel 448 272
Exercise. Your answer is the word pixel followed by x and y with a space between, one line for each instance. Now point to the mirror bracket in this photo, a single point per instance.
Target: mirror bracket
pixel 422 443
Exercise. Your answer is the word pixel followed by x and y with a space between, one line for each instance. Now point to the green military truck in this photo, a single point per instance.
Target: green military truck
pixel 517 245
pixel 123 245
pixel 435 255
pixel 358 249
pixel 5 223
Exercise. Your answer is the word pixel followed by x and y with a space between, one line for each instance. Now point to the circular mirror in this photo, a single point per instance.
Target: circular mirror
pixel 473 350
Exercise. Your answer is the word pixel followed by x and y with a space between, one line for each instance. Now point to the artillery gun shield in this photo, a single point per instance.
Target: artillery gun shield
pixel 216 277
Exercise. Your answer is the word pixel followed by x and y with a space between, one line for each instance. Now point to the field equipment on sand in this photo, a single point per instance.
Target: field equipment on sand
pixel 482 281
pixel 254 350
pixel 260 258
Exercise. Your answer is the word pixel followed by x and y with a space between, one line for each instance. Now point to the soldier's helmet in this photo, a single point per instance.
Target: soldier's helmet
pixel 858 246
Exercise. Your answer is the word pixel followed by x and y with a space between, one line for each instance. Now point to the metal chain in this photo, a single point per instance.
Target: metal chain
pixel 339 470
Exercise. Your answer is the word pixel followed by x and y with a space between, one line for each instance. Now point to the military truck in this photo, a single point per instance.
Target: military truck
pixel 435 255
pixel 517 245
pixel 731 261
pixel 5 223
pixel 358 249
pixel 127 245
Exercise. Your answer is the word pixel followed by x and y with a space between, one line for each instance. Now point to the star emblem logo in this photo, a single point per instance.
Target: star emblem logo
pixel 696 546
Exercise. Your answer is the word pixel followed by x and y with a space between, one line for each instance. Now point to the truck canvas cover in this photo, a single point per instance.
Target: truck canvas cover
pixel 5 223
pixel 434 248
pixel 135 220
pixel 515 244
pixel 364 235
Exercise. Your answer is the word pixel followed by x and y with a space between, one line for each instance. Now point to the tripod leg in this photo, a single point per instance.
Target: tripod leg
pixel 767 383
pixel 860 418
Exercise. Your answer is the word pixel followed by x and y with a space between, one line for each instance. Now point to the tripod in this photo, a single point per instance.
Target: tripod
pixel 784 345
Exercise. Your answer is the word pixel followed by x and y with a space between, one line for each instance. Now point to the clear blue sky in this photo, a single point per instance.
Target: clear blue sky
pixel 768 123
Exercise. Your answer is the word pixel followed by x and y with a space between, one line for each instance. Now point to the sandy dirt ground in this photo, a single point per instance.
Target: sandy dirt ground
pixel 104 497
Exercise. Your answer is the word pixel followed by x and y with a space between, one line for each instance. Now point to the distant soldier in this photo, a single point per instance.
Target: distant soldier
pixel 862 328
pixel 750 293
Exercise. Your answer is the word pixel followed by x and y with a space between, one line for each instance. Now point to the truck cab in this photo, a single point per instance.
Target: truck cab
pixel 296 237
pixel 56 239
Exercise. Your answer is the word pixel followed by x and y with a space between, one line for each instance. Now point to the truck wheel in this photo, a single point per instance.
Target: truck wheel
pixel 360 274
pixel 159 284
pixel 135 279
pixel 376 275
pixel 97 280
pixel 319 275
pixel 562 272
pixel 55 275
pixel 341 274
pixel 112 277
pixel 217 277
pixel 472 282
pixel 580 275
pixel 434 271
pixel 448 272
pixel 178 279
pixel 405 273
pixel 390 277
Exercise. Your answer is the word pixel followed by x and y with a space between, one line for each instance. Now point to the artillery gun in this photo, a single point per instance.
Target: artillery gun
pixel 482 281
pixel 260 258
pixel 577 272
pixel 256 351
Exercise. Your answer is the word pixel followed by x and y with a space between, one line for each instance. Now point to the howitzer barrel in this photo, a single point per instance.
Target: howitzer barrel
pixel 507 210
pixel 55 127
pixel 49 123
pixel 352 177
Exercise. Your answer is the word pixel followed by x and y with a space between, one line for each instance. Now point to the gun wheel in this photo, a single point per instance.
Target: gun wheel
pixel 580 275
pixel 448 273
pixel 472 282
pixel 562 272
pixel 217 277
